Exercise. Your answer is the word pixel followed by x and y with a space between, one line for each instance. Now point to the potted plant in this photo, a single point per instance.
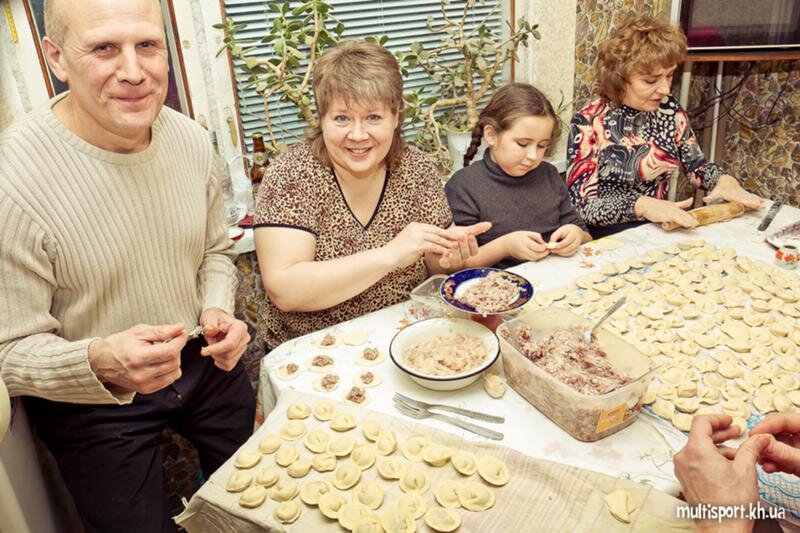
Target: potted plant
pixel 298 36
pixel 452 107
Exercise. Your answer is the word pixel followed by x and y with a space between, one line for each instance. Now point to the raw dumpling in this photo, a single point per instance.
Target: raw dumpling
pixel 328 340
pixel 288 371
pixel 253 497
pixel 299 468
pixel 247 459
pixel 285 490
pixel 324 410
pixel 386 443
pixel 446 493
pixel 293 430
pixel 372 429
pixel 298 411
pixel 412 447
pixel 286 512
pixel 620 505
pixel 415 481
pixel 369 493
pixel 346 476
pixel 370 356
pixel 369 524
pixel 367 379
pixel 475 496
pixel 352 513
pixel 327 383
pixel 317 441
pixel 411 504
pixel 495 385
pixel 356 396
pixel 493 471
pixel 320 363
pixel 269 443
pixel 464 462
pixel 341 445
pixel 313 491
pixel 391 468
pixel 398 522
pixel 436 454
pixel 444 520
pixel 268 476
pixel 363 456
pixel 323 462
pixel 286 455
pixel 355 337
pixel 330 503
pixel 239 481
pixel 343 422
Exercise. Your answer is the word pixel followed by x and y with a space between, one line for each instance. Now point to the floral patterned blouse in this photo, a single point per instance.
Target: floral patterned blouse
pixel 298 192
pixel 617 154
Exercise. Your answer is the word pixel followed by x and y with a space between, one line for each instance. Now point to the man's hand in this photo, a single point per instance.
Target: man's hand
pixel 143 359
pixel 227 338
pixel 566 240
pixel 783 453
pixel 709 477
pixel 656 210
pixel 728 189
pixel 466 245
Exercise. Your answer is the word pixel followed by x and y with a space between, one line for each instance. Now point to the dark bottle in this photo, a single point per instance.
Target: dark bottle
pixel 260 162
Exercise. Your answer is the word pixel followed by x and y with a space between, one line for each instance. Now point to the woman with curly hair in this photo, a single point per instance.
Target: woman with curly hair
pixel 624 146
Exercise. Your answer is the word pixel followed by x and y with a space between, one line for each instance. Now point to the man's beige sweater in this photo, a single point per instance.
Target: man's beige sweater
pixel 94 242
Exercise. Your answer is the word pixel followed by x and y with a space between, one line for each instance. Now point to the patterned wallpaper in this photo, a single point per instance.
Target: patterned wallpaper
pixel 595 21
pixel 767 159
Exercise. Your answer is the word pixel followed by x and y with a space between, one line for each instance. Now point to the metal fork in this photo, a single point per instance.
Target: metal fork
pixel 451 409
pixel 418 412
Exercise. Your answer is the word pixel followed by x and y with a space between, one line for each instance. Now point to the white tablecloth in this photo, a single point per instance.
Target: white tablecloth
pixel 640 452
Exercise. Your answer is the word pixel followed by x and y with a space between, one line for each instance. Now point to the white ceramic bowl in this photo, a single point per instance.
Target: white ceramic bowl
pixel 434 327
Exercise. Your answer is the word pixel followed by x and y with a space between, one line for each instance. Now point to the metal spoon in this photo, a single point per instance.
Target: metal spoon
pixel 588 335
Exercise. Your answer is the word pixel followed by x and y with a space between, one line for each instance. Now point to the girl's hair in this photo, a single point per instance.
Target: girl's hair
pixel 640 45
pixel 509 103
pixel 359 72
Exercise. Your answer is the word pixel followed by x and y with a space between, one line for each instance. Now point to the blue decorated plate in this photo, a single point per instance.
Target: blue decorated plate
pixel 457 284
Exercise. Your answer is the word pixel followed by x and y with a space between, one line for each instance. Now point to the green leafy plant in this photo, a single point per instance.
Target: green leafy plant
pixel 298 36
pixel 463 81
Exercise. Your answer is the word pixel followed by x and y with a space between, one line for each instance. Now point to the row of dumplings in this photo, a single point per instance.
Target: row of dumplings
pixel 693 299
pixel 368 495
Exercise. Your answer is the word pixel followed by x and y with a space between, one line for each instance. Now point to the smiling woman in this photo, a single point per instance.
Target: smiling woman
pixel 351 220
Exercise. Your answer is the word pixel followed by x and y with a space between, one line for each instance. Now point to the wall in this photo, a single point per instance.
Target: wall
pixel 549 63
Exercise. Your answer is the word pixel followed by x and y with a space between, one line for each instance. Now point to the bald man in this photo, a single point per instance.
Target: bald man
pixel 113 245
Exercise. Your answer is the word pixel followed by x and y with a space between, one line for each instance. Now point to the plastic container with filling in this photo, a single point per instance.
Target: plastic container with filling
pixel 584 416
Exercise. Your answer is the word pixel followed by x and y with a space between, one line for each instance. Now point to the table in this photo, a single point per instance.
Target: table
pixel 642 452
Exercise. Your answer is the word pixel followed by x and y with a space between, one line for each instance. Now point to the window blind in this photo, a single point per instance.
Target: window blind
pixel 403 21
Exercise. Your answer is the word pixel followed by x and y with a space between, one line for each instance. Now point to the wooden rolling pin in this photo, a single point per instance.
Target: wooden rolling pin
pixel 710 214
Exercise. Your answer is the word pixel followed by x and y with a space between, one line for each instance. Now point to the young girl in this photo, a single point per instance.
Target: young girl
pixel 523 197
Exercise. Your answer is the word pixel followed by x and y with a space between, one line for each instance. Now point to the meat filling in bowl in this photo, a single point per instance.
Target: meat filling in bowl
pixel 564 355
pixel 446 355
pixel 491 294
